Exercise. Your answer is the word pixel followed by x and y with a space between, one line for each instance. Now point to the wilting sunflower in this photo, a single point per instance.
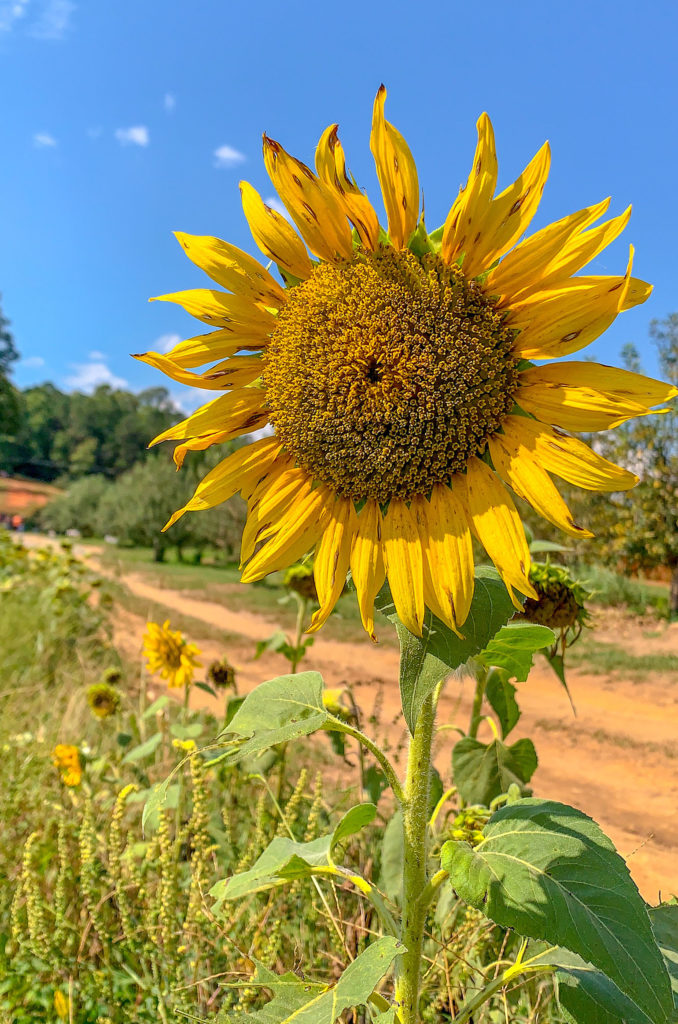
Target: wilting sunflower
pixel 395 368
pixel 169 655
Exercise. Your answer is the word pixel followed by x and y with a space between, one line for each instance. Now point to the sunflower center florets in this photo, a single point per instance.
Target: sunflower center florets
pixel 385 373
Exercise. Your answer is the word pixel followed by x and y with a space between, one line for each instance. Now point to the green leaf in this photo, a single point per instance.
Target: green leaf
pixel 144 749
pixel 501 696
pixel 276 711
pixel 374 781
pixel 285 859
pixel 425 661
pixel 587 995
pixel 308 1003
pixel 393 857
pixel 483 771
pixel 549 872
pixel 514 646
pixel 163 797
pixel 158 705
pixel 187 732
pixel 664 921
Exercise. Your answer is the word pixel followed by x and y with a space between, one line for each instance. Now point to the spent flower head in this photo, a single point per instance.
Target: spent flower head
pixel 169 655
pixel 103 700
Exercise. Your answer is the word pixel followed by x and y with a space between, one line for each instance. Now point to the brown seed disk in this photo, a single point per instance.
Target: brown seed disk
pixel 385 373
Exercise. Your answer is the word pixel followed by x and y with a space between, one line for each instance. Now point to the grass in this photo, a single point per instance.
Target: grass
pixel 220 584
pixel 600 658
pixel 615 590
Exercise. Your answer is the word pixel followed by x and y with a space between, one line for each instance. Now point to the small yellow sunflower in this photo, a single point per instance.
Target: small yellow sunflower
pixel 169 655
pixel 396 371
pixel 66 758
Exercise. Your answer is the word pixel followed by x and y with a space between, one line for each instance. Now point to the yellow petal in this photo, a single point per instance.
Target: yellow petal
pixel 582 248
pixel 588 396
pixel 403 557
pixel 367 562
pixel 498 527
pixel 448 551
pixel 246 424
pixel 231 373
pixel 274 236
pixel 397 173
pixel 567 457
pixel 330 164
pixel 332 559
pixel 525 266
pixel 571 319
pixel 219 308
pixel 231 475
pixel 508 216
pixel 205 348
pixel 232 268
pixel 215 415
pixel 518 468
pixel 281 486
pixel 296 532
pixel 316 209
pixel 471 205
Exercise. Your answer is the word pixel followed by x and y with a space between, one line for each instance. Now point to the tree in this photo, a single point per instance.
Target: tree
pixel 10 402
pixel 644 533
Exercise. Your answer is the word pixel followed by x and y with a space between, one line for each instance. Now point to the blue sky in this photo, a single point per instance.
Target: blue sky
pixel 129 120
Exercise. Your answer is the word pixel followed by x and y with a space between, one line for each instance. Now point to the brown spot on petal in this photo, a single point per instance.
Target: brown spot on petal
pixel 571 336
pixel 311 211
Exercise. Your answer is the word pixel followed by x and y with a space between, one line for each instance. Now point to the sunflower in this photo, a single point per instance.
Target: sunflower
pixel 169 655
pixel 66 758
pixel 394 372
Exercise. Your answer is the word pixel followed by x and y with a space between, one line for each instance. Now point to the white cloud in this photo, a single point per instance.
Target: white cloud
pixel 165 342
pixel 32 362
pixel 276 205
pixel 88 376
pixel 43 140
pixel 97 357
pixel 10 12
pixel 227 156
pixel 169 102
pixel 136 136
pixel 54 20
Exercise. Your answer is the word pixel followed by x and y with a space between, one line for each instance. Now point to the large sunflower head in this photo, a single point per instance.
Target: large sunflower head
pixel 401 374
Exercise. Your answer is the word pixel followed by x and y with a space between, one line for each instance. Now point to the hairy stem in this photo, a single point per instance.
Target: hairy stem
pixel 415 875
pixel 478 697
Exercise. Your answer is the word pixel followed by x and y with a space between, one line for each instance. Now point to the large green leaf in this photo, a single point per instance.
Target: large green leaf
pixel 304 1002
pixel 483 771
pixel 285 859
pixel 514 646
pixel 425 661
pixel 501 696
pixel 664 921
pixel 276 711
pixel 549 872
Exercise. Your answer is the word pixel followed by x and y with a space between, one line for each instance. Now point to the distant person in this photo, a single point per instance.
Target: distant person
pixel 17 523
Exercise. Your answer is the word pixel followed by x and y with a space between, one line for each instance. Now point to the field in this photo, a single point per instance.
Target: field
pixel 24 497
pixel 617 758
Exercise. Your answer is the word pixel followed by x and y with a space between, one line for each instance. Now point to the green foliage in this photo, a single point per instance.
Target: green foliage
pixel 548 871
pixel 424 663
pixel 70 435
pixel 484 771
pixel 77 508
pixel 513 646
pixel 286 859
pixel 304 1003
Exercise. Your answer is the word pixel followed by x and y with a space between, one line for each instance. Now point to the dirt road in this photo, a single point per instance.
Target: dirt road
pixel 617 760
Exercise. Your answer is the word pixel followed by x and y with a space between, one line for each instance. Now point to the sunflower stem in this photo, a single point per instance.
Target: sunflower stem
pixel 478 697
pixel 415 873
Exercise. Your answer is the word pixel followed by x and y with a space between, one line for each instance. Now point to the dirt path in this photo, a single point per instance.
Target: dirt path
pixel 617 760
